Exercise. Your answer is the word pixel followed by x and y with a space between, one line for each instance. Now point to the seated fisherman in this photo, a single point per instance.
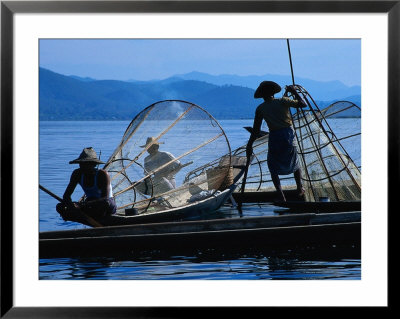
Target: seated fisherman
pixel 163 179
pixel 95 183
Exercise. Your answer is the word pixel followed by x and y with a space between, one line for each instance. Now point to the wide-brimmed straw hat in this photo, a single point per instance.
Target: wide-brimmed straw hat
pixel 150 140
pixel 88 155
pixel 267 88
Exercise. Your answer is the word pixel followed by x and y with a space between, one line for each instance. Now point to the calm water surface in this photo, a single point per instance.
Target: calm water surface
pixel 61 142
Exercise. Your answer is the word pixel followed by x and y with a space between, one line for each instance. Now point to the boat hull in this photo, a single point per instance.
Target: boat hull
pixel 269 231
pixel 194 210
pixel 300 207
pixel 263 196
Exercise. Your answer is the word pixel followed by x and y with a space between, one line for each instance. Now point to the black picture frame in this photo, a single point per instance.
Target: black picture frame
pixel 9 8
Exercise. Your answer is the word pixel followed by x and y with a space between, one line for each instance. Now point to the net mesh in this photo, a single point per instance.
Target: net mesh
pixel 328 170
pixel 172 153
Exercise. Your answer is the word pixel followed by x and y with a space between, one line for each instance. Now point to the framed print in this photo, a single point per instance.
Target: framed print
pixel 59 61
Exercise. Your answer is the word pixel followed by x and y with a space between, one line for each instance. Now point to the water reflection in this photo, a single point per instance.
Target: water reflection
pixel 301 263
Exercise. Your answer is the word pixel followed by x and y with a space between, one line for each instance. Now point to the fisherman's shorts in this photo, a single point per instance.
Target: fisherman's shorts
pixel 101 208
pixel 98 209
pixel 282 156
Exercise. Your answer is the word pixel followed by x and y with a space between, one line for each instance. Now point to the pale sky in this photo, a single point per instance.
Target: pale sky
pixel 125 59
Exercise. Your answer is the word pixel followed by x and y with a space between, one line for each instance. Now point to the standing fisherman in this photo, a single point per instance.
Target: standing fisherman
pixel 96 185
pixel 282 154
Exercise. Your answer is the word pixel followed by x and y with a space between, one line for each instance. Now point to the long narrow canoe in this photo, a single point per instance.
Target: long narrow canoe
pixel 294 204
pixel 268 231
pixel 196 209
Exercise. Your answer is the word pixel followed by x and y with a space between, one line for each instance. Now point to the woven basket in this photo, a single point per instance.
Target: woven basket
pixel 220 178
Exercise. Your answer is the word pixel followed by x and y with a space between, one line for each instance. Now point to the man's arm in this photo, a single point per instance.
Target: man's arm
pixel 173 168
pixel 74 180
pixel 256 131
pixel 175 164
pixel 296 96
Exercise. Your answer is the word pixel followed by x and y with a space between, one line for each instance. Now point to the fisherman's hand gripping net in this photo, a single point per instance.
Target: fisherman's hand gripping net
pixel 171 154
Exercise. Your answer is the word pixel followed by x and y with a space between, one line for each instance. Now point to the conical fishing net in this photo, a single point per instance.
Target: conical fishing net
pixel 172 154
pixel 328 169
pixel 348 135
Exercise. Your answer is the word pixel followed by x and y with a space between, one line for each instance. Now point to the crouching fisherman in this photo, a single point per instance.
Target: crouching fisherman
pixel 95 183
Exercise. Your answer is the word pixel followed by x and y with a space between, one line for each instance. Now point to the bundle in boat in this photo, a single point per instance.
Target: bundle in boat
pixel 171 154
pixel 329 171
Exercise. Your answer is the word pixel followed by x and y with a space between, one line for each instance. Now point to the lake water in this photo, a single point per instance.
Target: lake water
pixel 61 142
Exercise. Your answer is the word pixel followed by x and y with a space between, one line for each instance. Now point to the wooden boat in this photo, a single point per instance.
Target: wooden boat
pixel 233 233
pixel 265 196
pixel 193 210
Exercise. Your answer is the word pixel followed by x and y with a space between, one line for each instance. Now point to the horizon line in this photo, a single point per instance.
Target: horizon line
pixel 183 74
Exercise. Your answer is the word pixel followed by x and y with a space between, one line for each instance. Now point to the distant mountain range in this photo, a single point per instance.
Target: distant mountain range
pixel 324 91
pixel 64 97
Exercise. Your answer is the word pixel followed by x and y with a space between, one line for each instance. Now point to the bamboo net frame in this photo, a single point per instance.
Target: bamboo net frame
pixel 182 131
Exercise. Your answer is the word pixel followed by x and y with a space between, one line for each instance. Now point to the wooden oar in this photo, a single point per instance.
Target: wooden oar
pixel 89 219
pixel 246 169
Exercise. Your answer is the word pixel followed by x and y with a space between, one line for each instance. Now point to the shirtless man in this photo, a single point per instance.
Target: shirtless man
pixel 95 183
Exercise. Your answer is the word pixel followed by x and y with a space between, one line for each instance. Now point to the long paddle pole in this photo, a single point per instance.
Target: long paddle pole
pixel 248 157
pixel 246 169
pixel 89 219
pixel 50 193
pixel 290 60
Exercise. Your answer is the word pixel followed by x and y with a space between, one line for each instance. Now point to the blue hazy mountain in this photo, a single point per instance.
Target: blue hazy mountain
pixel 323 91
pixel 75 98
pixel 85 79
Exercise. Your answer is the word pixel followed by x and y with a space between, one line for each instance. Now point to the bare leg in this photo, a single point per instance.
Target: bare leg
pixel 297 177
pixel 277 184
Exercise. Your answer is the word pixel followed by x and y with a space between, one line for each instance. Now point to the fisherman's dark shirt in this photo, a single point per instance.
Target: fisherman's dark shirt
pixel 276 112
